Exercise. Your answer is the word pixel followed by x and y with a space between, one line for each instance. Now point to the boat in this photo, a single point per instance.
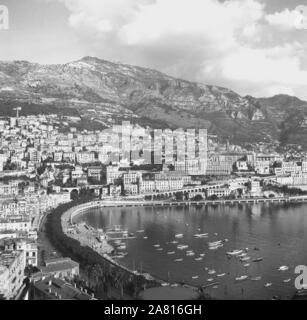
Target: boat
pixel 258 259
pixel 216 247
pixel 210 279
pixel 256 278
pixel 159 249
pixel 190 254
pixel 122 247
pixel 201 235
pixel 202 254
pixel 182 247
pixel 178 260
pixel 234 252
pixel 156 245
pixel 179 235
pixel 215 287
pixel 164 284
pixel 301 292
pixel 283 268
pixel 221 275
pixel 171 252
pixel 268 285
pixel 245 259
pixel 198 259
pixel 241 278
pixel 145 238
pixel 242 255
pixel 195 277
pixel 214 244
pixel 212 272
pixel 246 265
pixel 140 231
pixel 174 242
pixel 287 280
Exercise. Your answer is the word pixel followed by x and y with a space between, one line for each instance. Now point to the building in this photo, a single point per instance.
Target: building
pixel 12 266
pixel 52 288
pixel 61 268
pixel 113 174
pixel 220 192
pixel 15 224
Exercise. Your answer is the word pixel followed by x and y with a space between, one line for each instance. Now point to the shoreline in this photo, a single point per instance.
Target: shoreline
pixel 66 223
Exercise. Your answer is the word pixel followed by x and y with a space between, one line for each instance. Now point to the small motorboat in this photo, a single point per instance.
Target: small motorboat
pixel 221 275
pixel 246 265
pixel 210 279
pixel 174 242
pixel 159 249
pixel 283 268
pixel 171 252
pixel 178 260
pixel 214 244
pixel 182 247
pixel 190 254
pixel 195 277
pixel 256 278
pixel 140 231
pixel 164 284
pixel 156 245
pixel 241 278
pixel 179 235
pixel 212 272
pixel 258 259
pixel 269 284
pixel 145 238
pixel 198 259
pixel 245 259
pixel 287 280
pixel 202 255
pixel 215 287
pixel 234 252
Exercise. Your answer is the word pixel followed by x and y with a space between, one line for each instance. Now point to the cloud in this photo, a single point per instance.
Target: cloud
pixel 234 43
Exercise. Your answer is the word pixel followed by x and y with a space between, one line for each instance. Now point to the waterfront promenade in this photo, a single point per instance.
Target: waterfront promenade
pixel 75 211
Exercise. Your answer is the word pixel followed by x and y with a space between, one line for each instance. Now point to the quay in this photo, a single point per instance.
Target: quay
pixel 75 211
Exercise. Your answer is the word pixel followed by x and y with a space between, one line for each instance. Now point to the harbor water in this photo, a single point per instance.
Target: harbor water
pixel 190 244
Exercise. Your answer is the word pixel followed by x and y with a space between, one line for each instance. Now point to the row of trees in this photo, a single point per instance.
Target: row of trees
pixel 105 279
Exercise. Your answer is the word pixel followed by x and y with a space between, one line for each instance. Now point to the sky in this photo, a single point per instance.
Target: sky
pixel 254 47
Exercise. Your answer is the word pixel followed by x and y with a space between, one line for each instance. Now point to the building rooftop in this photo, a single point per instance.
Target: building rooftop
pixel 57 289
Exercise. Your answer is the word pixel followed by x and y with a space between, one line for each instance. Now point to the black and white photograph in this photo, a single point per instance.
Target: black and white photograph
pixel 153 151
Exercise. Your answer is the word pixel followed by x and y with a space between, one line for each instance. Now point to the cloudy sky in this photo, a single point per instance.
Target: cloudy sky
pixel 251 46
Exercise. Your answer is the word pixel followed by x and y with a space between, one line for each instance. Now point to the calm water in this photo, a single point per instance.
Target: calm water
pixel 279 231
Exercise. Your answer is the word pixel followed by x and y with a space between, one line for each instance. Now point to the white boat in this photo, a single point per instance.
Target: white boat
pixel 210 279
pixel 256 278
pixel 234 252
pixel 182 247
pixel 174 242
pixel 216 247
pixel 246 265
pixel 122 247
pixel 221 275
pixel 214 244
pixel 159 249
pixel 164 284
pixel 202 255
pixel 212 272
pixel 283 268
pixel 195 277
pixel 178 260
pixel 156 245
pixel 171 252
pixel 179 235
pixel 245 259
pixel 190 254
pixel 201 235
pixel 140 231
pixel 242 255
pixel 241 278
pixel 215 287
pixel 268 285
pixel 198 259
pixel 145 238
pixel 287 280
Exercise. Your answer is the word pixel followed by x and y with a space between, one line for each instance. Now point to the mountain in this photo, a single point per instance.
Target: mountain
pixel 105 91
